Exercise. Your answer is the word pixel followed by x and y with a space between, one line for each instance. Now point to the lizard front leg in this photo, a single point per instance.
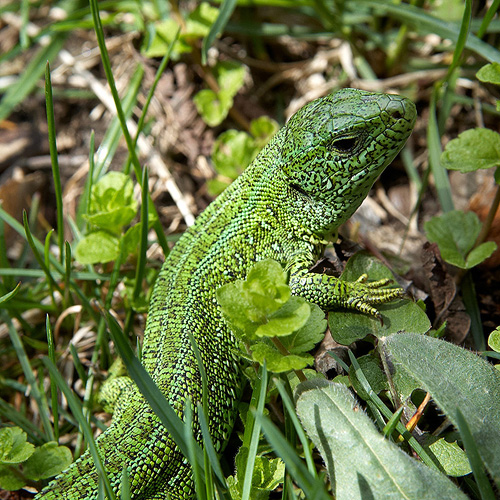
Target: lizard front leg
pixel 329 292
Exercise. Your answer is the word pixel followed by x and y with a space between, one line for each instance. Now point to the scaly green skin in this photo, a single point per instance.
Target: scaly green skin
pixel 306 182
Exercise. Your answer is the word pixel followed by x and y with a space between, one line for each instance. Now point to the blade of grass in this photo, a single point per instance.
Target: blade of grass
pixel 53 387
pixel 10 295
pixel 38 257
pixel 30 378
pixel 298 428
pixel 252 429
pixel 82 422
pixel 56 175
pixel 225 11
pixel 84 205
pixel 38 273
pixel 313 487
pixel 193 459
pixel 475 461
pixel 441 180
pixel 462 38
pixel 159 73
pixel 469 297
pixel 490 14
pixel 121 116
pixel 419 450
pixel 430 24
pixel 31 75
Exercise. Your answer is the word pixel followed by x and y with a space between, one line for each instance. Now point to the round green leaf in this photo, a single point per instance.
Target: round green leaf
pixel 97 247
pixel 494 340
pixel 47 461
pixel 471 150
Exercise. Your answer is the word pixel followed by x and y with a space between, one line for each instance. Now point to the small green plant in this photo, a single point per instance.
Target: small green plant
pixel 22 463
pixel 112 208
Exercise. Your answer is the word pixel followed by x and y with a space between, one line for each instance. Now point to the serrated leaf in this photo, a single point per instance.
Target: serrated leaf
pixel 455 233
pixel 97 247
pixel 490 73
pixel 451 457
pixel 277 362
pixel 471 150
pixel 360 462
pixel 472 386
pixel 9 480
pixel 18 449
pixel 47 461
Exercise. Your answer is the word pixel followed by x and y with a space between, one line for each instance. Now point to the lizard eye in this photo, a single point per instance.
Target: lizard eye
pixel 345 144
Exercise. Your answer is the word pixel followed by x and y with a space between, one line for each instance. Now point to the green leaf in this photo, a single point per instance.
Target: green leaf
pixel 402 315
pixel 14 446
pixel 480 253
pixel 232 152
pixel 490 73
pixel 47 461
pixel 163 35
pixel 200 20
pixel 97 247
pixel 263 129
pixel 230 76
pixel 455 233
pixel 347 327
pixel 472 386
pixel 112 220
pixel 246 305
pixel 494 339
pixel 471 150
pixel 267 475
pixel 288 318
pixel 277 362
pixel 451 457
pixel 304 339
pixel 373 373
pixel 9 480
pixel 131 239
pixel 6 442
pixel 359 461
pixel 112 202
pixel 213 107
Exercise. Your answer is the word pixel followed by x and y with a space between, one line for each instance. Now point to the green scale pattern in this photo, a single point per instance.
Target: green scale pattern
pixel 306 182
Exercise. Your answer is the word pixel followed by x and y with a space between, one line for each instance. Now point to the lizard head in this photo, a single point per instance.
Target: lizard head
pixel 333 150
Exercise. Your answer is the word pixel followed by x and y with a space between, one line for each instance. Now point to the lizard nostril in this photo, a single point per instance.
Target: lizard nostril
pixel 396 114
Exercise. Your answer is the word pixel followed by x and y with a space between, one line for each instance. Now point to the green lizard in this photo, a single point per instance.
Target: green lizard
pixel 307 181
